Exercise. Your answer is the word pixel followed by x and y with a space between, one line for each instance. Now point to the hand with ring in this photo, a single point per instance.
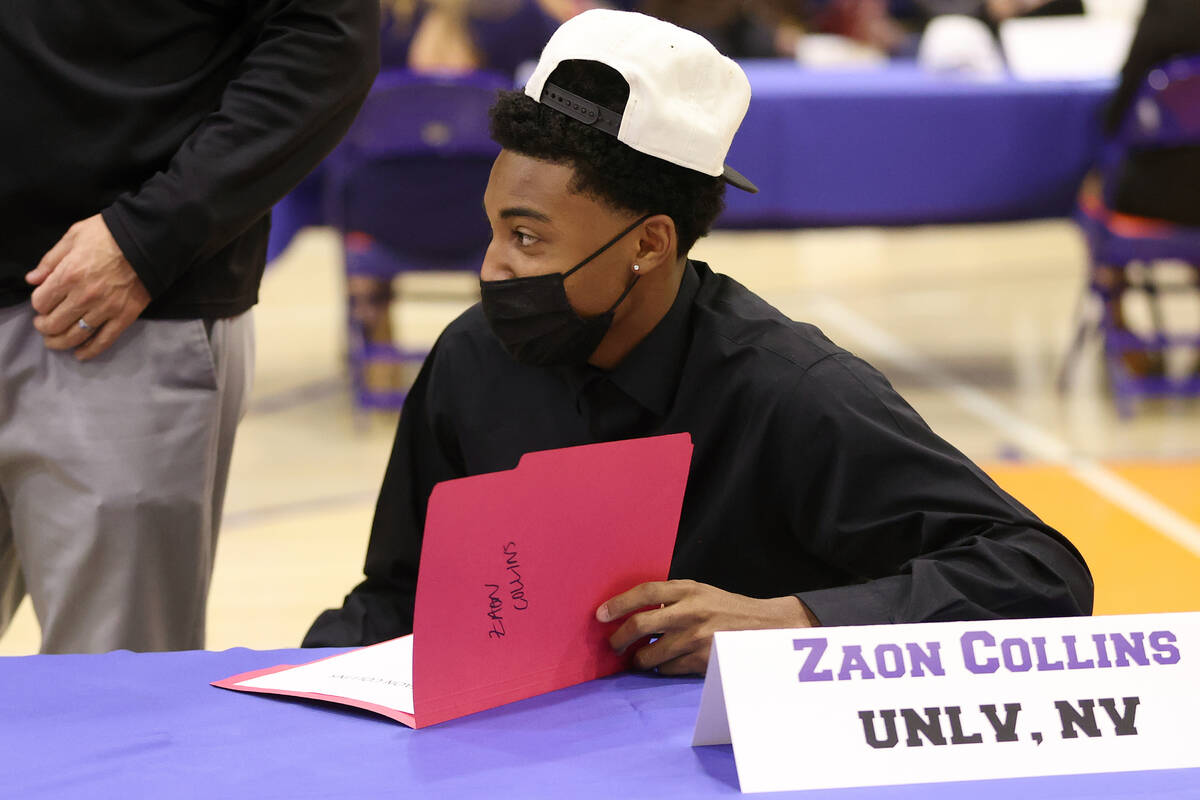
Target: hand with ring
pixel 86 275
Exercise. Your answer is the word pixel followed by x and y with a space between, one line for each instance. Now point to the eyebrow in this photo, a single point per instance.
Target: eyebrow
pixel 521 211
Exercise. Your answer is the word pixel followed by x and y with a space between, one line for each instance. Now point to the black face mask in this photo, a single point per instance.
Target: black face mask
pixel 534 321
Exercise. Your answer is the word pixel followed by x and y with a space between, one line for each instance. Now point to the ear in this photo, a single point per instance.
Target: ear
pixel 656 243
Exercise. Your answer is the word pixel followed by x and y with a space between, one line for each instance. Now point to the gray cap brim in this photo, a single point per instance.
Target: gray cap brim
pixel 735 178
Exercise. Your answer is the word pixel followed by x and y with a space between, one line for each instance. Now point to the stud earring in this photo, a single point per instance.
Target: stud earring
pixel 636 267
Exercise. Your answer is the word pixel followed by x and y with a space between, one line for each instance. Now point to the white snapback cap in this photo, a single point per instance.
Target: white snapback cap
pixel 686 100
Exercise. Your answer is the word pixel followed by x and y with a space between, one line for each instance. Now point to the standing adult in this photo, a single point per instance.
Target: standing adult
pixel 143 146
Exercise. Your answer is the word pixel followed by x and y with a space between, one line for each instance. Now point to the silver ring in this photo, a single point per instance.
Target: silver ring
pixel 83 326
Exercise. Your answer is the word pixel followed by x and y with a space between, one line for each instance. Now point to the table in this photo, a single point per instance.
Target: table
pixel 900 146
pixel 149 725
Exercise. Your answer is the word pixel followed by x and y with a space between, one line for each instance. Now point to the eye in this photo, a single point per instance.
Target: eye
pixel 524 239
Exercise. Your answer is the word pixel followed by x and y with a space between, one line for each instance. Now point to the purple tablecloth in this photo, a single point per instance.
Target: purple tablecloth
pixel 900 146
pixel 148 725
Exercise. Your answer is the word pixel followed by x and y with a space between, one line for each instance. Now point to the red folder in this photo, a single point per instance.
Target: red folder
pixel 514 565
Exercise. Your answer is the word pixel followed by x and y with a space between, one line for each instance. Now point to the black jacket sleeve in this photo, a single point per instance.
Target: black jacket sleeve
pixel 381 607
pixel 927 534
pixel 296 93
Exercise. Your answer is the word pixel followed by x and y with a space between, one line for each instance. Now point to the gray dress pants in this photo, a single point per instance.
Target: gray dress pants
pixel 112 478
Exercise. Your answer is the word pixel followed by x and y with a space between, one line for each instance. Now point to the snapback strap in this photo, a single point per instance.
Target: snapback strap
pixel 578 108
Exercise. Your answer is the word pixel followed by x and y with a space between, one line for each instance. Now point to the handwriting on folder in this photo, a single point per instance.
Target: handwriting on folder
pixel 513 566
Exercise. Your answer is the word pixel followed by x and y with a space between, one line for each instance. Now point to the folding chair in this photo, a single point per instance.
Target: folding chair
pixel 405 190
pixel 1165 113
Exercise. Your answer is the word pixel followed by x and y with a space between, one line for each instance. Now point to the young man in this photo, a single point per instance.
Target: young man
pixel 816 494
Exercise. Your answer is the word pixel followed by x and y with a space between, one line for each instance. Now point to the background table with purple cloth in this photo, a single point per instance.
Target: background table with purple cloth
pixel 893 146
pixel 899 146
pixel 149 725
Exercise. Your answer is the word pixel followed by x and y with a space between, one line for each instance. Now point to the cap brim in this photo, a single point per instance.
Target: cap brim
pixel 735 178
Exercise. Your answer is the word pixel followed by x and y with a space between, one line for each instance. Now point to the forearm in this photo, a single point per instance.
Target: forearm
pixel 1016 573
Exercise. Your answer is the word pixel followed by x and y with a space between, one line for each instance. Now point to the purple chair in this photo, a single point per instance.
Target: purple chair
pixel 405 190
pixel 1165 113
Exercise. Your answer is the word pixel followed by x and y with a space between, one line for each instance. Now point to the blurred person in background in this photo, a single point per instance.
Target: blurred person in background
pixel 774 28
pixel 144 145
pixel 878 24
pixel 466 35
pixel 1162 183
pixel 894 27
pixel 993 12
pixel 737 28
pixel 996 11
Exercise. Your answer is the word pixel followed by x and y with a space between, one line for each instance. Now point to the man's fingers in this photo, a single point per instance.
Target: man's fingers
pixel 38 274
pixel 62 302
pixel 644 595
pixel 678 653
pixel 665 648
pixel 693 663
pixel 49 261
pixel 53 291
pixel 72 337
pixel 65 315
pixel 103 338
pixel 77 302
pixel 639 626
pixel 64 319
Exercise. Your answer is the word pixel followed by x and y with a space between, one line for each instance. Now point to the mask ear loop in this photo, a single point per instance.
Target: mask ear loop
pixel 628 289
pixel 610 243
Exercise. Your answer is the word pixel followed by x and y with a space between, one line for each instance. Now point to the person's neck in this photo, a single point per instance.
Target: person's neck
pixel 648 303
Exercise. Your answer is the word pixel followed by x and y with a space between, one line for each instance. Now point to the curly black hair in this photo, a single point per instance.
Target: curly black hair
pixel 605 168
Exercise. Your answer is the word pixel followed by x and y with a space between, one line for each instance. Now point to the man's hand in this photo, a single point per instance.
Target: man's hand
pixel 85 277
pixel 684 615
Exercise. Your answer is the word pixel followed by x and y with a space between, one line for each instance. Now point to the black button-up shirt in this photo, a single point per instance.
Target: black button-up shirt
pixel 810 475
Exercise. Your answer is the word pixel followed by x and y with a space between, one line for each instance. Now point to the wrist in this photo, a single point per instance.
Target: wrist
pixel 792 613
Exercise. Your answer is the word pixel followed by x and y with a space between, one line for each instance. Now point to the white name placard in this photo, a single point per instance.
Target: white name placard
pixel 818 708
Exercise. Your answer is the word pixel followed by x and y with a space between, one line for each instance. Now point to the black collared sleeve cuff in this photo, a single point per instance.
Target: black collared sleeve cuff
pixel 872 603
